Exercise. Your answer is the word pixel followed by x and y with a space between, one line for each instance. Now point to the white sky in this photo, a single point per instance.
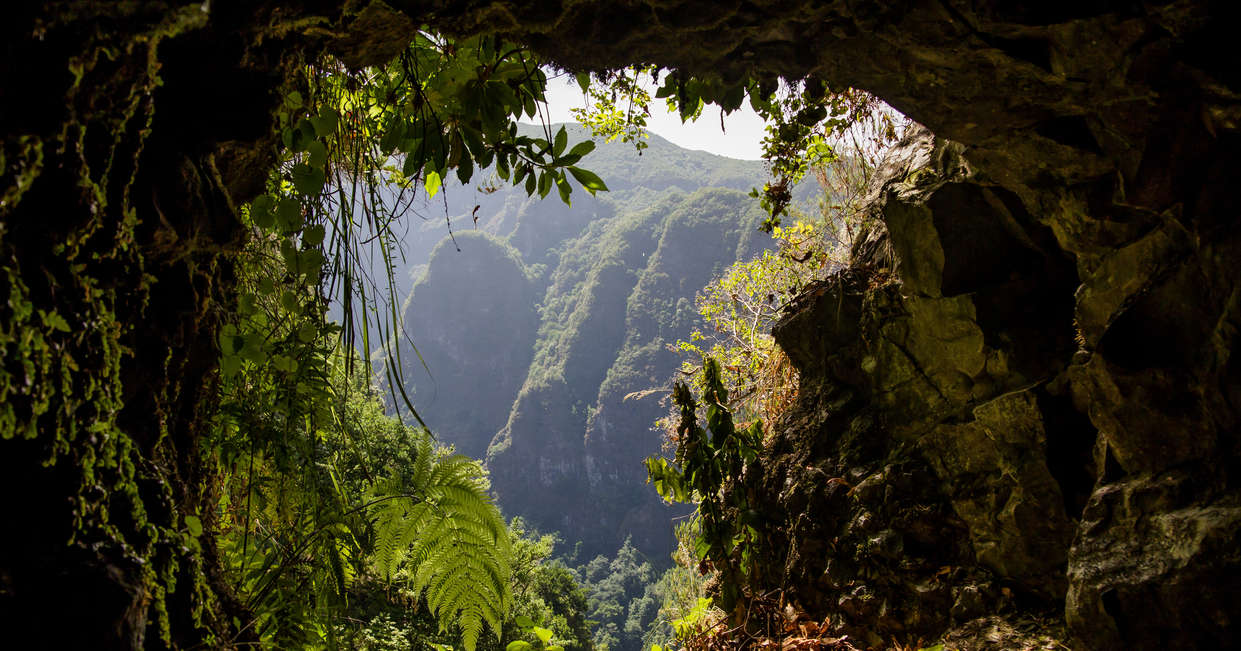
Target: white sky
pixel 741 138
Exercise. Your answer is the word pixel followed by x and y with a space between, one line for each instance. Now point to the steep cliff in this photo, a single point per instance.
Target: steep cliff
pixel 569 457
pixel 996 435
pixel 475 318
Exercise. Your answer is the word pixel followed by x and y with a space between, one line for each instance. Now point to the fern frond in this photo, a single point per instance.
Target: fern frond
pixel 452 539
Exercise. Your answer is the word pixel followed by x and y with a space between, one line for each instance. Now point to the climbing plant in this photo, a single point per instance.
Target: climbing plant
pixel 355 147
pixel 712 467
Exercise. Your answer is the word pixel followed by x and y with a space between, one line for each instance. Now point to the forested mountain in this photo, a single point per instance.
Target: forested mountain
pixel 535 322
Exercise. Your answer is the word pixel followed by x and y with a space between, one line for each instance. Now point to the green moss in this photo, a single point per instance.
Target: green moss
pixel 64 321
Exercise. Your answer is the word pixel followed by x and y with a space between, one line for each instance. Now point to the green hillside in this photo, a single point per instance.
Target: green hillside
pixel 536 321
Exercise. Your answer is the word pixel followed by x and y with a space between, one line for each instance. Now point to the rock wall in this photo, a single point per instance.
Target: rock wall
pixel 994 436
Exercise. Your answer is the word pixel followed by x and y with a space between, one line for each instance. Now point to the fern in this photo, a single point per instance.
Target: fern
pixel 449 537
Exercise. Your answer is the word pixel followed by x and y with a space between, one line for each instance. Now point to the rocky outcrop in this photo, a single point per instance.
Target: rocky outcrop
pixel 992 425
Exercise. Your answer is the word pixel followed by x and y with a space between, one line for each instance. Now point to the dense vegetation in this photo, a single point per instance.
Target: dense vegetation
pixel 259 495
pixel 535 327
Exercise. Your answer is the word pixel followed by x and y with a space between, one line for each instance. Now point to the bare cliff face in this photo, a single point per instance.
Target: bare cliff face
pixel 975 451
pixel 1027 381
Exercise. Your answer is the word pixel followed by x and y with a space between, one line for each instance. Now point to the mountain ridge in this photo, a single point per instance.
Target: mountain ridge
pixel 614 279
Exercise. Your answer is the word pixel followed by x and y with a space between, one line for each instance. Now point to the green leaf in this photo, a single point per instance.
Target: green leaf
pixel 588 179
pixel 582 148
pixel 432 183
pixel 327 121
pixel 465 169
pixel 308 180
pixel 316 154
pixel 307 333
pixel 229 340
pixel 303 134
pixel 518 645
pixel 583 81
pixel 313 235
pixel 289 214
pixel 194 525
pixel 230 365
pixel 261 212
pixel 252 349
pixel 544 634
pixel 503 94
pixel 393 134
pixel 545 183
pixel 524 622
pixel 562 140
pixel 309 261
pixel 562 185
pixel 294 99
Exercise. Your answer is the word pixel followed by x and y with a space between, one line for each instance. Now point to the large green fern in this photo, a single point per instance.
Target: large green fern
pixel 444 533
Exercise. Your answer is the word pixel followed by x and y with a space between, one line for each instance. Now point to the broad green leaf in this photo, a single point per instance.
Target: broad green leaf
pixel 194 525
pixel 465 169
pixel 313 235
pixel 545 183
pixel 289 214
pixel 589 180
pixel 524 622
pixel 562 185
pixel 327 121
pixel 544 634
pixel 309 260
pixel 308 180
pixel 499 91
pixel 316 154
pixel 582 148
pixel 393 134
pixel 562 140
pixel 261 212
pixel 252 349
pixel 432 183
pixel 288 300
pixel 230 365
pixel 518 645
pixel 229 340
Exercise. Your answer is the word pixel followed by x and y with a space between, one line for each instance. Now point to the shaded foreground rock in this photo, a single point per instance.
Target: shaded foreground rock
pixel 1003 460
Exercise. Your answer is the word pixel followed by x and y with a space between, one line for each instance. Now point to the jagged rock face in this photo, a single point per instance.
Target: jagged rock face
pixel 997 431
